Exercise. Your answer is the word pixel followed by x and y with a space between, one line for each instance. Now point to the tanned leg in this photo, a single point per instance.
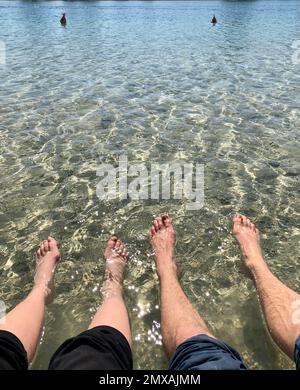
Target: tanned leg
pixel 277 300
pixel 179 320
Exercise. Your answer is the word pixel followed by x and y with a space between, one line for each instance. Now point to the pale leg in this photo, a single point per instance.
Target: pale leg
pixel 26 319
pixel 113 311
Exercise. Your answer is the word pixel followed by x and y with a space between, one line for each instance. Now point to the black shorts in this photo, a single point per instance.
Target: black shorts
pixel 12 353
pixel 99 348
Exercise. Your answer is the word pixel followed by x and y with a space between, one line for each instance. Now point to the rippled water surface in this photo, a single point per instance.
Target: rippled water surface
pixel 156 81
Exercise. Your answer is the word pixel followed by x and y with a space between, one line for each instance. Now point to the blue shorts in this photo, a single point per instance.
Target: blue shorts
pixel 206 353
pixel 297 353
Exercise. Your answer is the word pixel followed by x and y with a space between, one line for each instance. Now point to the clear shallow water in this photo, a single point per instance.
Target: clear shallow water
pixel 156 81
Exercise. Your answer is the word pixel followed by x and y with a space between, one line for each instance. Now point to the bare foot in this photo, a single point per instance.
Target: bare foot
pixel 47 258
pixel 248 236
pixel 162 237
pixel 116 256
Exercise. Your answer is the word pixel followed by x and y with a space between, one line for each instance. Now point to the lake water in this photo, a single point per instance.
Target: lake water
pixel 157 82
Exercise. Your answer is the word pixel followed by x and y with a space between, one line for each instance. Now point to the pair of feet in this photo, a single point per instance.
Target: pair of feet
pixel 162 237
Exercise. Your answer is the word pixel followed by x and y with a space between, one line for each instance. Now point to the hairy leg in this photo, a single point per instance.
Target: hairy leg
pixel 277 300
pixel 113 311
pixel 179 320
pixel 26 319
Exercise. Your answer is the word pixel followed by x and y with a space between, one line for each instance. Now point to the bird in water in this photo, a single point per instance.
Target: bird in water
pixel 214 20
pixel 63 20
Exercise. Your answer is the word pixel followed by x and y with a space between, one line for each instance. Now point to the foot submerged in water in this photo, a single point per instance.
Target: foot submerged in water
pixel 116 256
pixel 47 258
pixel 248 237
pixel 162 237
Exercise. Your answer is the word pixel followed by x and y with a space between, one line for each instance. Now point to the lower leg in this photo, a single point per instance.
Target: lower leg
pixel 179 320
pixel 26 319
pixel 277 300
pixel 113 310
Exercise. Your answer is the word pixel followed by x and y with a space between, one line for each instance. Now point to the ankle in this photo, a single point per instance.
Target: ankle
pixel 256 265
pixel 41 290
pixel 167 272
pixel 111 288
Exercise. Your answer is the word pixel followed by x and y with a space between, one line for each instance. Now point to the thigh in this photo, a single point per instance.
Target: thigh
pixel 99 348
pixel 206 353
pixel 12 352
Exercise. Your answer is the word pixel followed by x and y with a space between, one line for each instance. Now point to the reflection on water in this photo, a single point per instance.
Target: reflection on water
pixel 155 81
